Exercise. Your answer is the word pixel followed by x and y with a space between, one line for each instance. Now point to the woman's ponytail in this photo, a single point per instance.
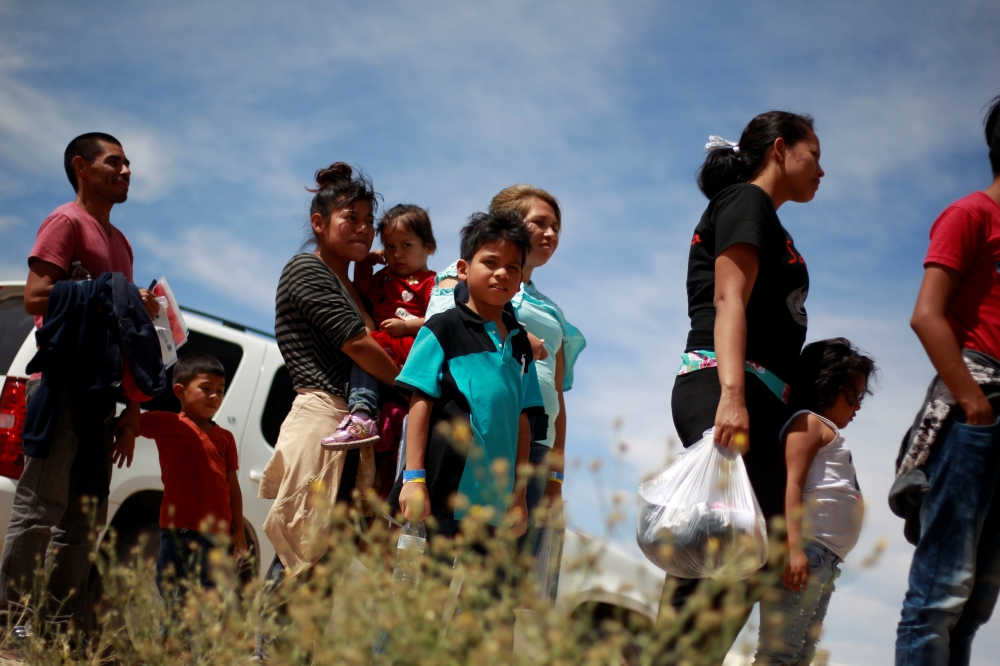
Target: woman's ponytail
pixel 723 167
pixel 727 165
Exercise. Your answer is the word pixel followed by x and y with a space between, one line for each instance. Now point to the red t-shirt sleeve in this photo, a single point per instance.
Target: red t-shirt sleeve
pixel 957 238
pixel 55 242
pixel 364 279
pixel 155 425
pixel 230 454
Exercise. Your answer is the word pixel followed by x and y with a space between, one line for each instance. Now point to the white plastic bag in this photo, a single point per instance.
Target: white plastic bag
pixel 699 517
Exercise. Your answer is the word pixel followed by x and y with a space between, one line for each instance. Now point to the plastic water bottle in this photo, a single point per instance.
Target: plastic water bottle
pixel 411 545
pixel 77 273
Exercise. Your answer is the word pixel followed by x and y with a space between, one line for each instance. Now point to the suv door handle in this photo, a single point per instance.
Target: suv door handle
pixel 256 475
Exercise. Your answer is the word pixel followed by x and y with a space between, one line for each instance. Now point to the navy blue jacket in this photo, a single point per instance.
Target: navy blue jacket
pixel 91 330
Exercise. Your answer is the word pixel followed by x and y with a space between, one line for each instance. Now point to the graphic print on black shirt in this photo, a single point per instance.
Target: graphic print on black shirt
pixel 776 313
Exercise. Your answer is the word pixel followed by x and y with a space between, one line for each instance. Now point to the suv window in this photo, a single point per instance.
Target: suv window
pixel 229 354
pixel 15 324
pixel 279 403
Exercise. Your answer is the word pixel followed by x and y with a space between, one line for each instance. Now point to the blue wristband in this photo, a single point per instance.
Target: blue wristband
pixel 414 475
pixel 556 476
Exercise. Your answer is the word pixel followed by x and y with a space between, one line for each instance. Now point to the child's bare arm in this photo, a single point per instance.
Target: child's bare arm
pixel 518 504
pixel 414 500
pixel 397 328
pixel 803 438
pixel 236 504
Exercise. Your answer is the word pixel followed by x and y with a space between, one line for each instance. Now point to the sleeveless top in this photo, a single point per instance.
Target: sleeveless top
pixel 832 505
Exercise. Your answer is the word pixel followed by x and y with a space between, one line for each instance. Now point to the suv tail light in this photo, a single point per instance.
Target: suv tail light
pixel 12 409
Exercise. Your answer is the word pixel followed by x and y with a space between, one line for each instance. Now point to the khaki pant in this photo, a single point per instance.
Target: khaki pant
pixel 303 478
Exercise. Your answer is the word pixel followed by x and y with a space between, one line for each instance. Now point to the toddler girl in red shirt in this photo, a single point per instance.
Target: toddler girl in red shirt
pixel 399 294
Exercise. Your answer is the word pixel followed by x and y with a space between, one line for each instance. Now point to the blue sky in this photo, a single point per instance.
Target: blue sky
pixel 227 109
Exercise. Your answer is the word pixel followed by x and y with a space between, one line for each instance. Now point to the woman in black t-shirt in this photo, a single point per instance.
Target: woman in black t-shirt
pixel 746 287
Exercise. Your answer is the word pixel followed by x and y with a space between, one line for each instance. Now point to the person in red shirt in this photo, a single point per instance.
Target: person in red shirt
pixel 202 503
pixel 399 294
pixel 77 237
pixel 955 572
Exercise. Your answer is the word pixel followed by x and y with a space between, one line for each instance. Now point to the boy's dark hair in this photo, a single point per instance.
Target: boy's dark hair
pixel 826 369
pixel 410 217
pixel 498 226
pixel 190 366
pixel 88 146
pixel 339 186
pixel 725 166
pixel 992 126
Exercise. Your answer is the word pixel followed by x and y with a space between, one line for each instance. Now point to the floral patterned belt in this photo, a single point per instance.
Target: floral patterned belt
pixel 693 361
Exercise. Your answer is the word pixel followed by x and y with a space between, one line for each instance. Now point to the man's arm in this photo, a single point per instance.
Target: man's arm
pixel 414 500
pixel 42 276
pixel 931 325
pixel 236 505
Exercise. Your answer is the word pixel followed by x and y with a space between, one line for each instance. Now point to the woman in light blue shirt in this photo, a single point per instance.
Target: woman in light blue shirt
pixel 557 343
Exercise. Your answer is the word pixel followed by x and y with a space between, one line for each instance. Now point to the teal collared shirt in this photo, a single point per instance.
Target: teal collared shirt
pixel 542 318
pixel 459 361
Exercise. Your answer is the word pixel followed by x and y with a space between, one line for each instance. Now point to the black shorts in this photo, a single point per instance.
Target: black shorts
pixel 694 402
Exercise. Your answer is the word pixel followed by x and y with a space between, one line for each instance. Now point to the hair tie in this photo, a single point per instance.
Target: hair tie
pixel 718 142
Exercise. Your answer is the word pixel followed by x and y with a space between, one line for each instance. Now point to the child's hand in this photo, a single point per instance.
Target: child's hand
pixel 124 447
pixel 553 499
pixel 519 512
pixel 415 502
pixel 538 349
pixel 394 327
pixel 796 574
pixel 376 257
pixel 239 543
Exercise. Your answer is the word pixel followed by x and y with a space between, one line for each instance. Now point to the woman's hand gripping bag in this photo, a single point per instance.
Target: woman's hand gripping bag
pixel 699 517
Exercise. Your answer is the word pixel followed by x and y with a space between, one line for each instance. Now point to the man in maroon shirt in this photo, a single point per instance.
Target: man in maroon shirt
pixel 48 520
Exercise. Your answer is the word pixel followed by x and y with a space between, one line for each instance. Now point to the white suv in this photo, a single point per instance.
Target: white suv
pixel 258 396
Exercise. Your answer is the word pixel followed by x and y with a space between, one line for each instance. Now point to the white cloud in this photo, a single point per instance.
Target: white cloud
pixel 217 261
pixel 35 128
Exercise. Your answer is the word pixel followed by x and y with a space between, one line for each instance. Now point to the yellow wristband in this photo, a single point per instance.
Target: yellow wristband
pixel 424 481
pixel 555 480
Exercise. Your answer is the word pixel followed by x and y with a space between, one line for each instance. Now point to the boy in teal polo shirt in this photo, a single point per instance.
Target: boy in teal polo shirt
pixel 472 365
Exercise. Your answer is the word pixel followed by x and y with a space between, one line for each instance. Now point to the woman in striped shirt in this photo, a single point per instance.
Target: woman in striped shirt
pixel 322 328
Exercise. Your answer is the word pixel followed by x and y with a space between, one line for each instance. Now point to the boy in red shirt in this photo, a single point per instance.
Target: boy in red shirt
pixel 198 462
pixel 399 294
